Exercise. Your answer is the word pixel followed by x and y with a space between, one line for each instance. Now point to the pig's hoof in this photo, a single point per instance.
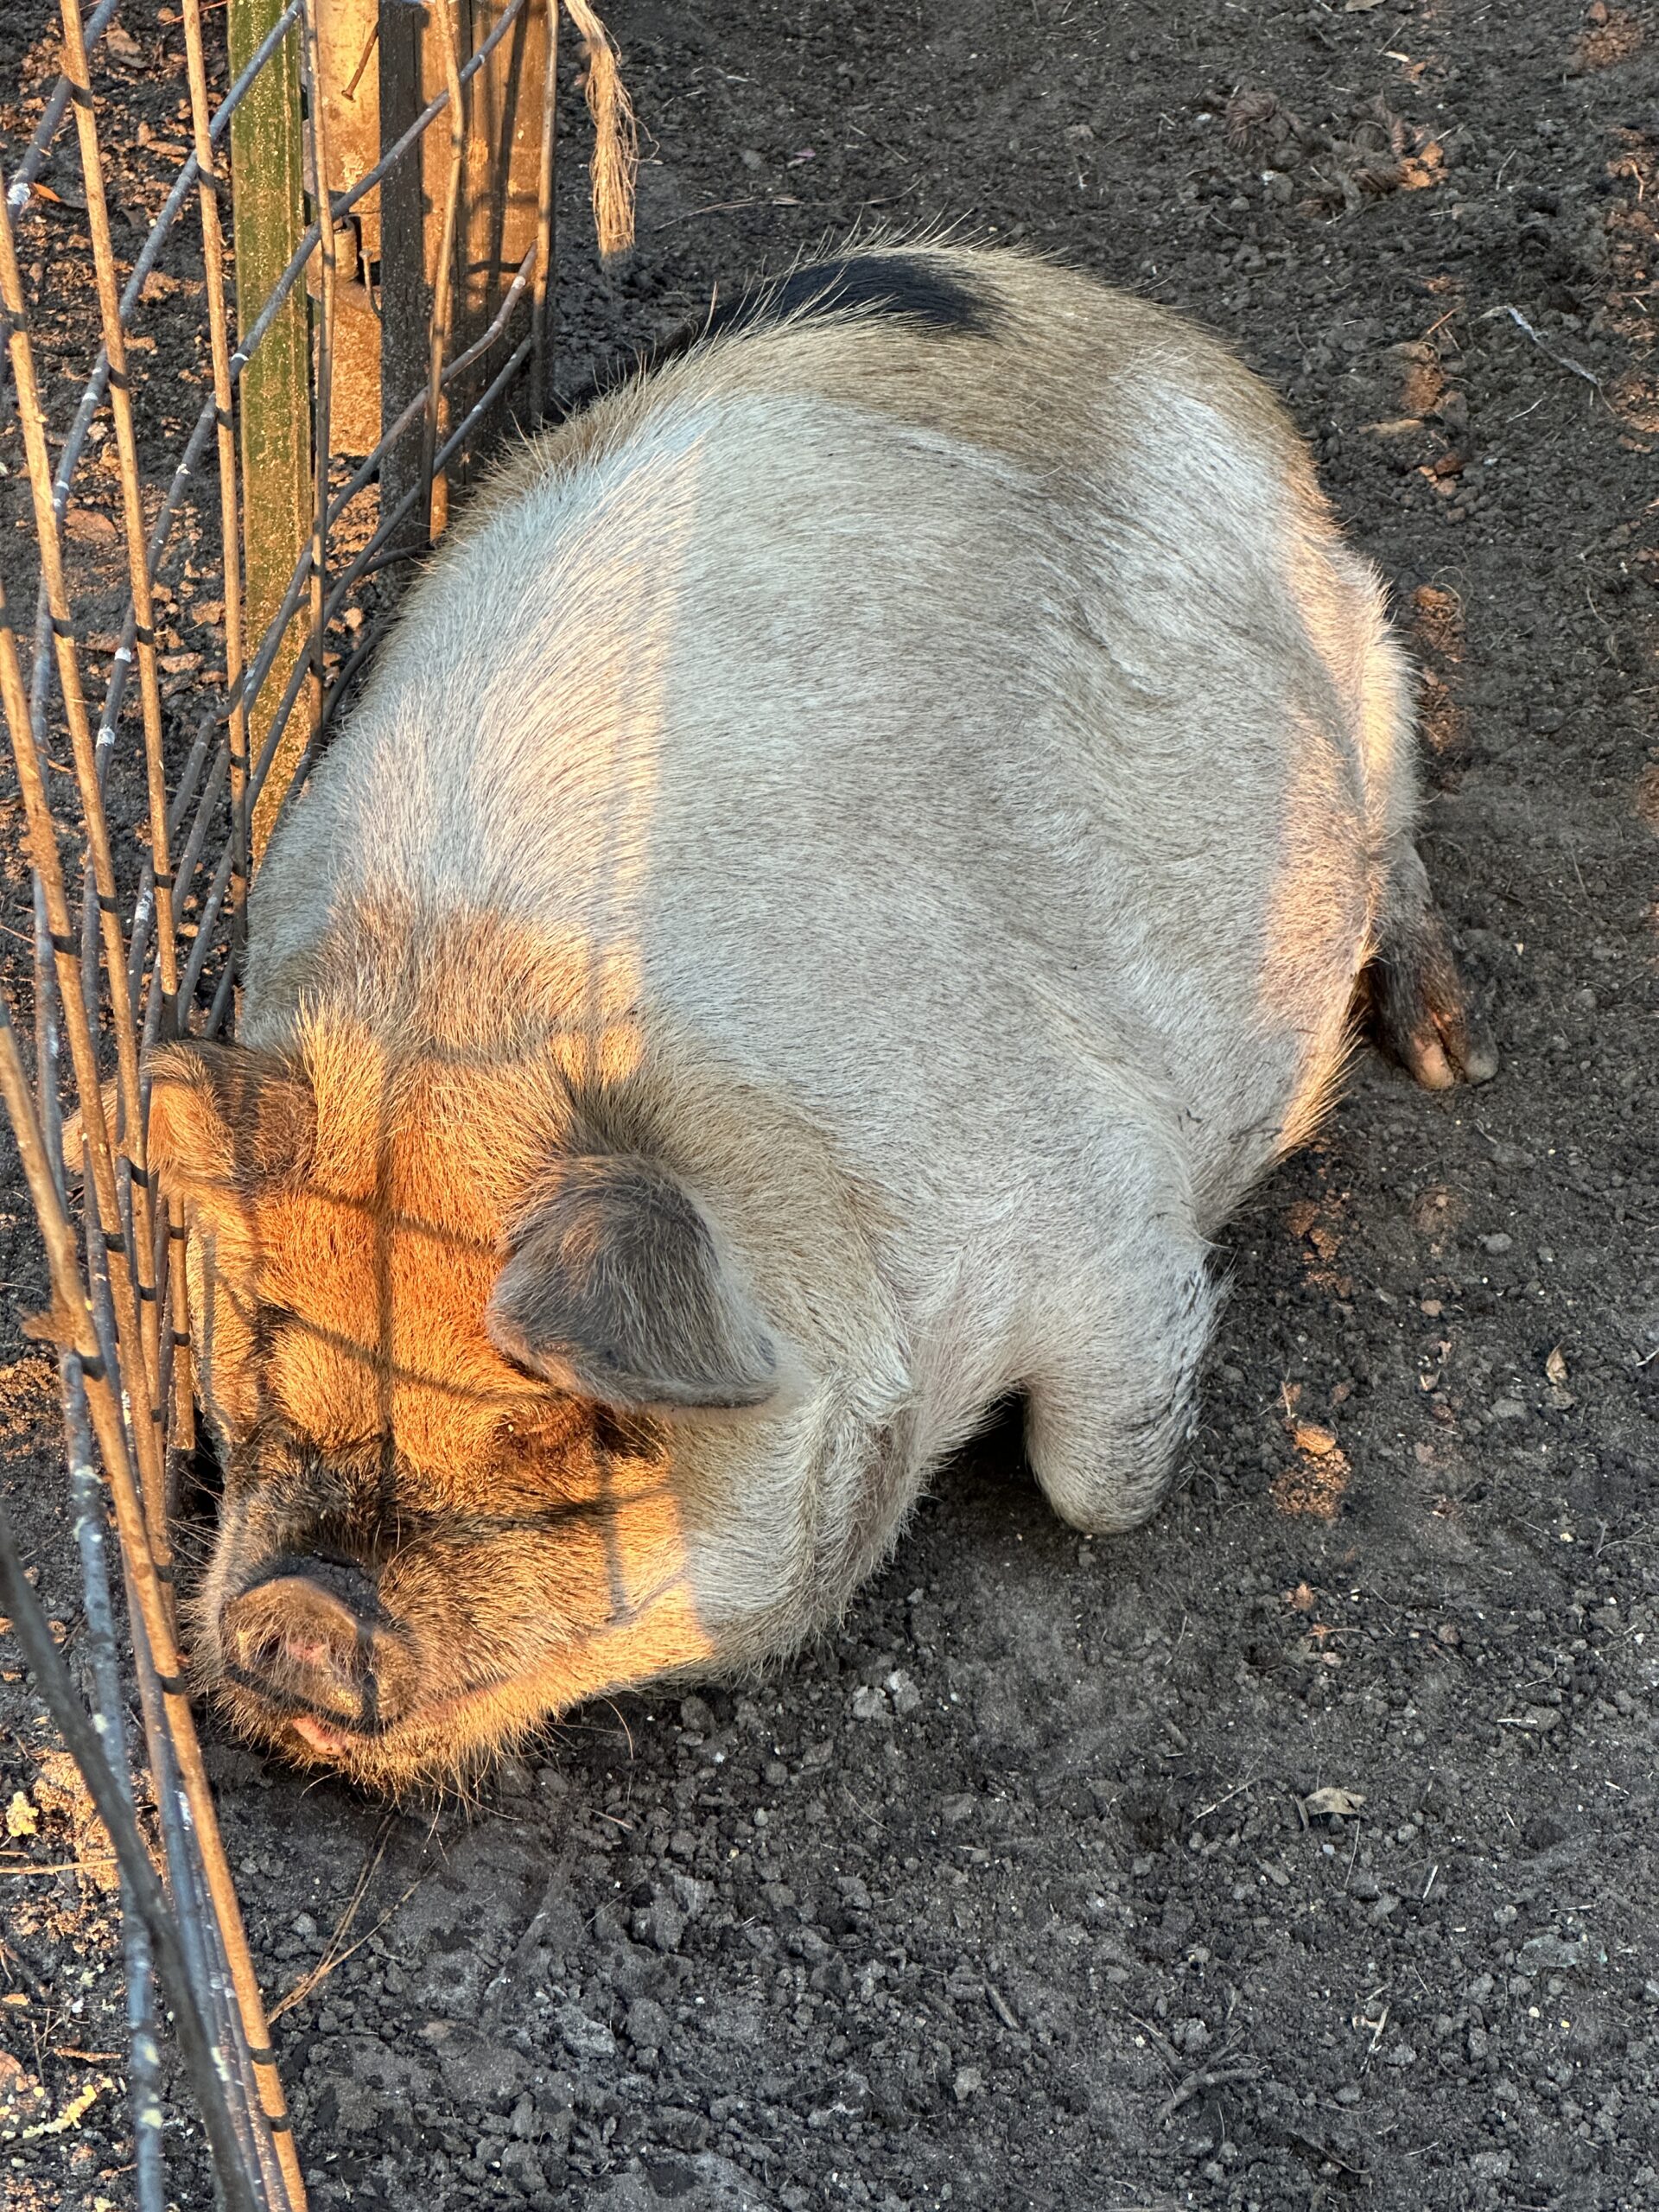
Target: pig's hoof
pixel 1422 1013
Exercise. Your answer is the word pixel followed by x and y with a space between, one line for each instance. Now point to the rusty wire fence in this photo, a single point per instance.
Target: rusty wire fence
pixel 318 272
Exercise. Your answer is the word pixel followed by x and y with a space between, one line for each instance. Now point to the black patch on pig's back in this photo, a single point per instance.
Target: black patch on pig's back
pixel 916 289
pixel 909 287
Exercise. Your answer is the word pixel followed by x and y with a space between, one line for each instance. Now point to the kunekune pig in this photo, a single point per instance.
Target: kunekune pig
pixel 857 852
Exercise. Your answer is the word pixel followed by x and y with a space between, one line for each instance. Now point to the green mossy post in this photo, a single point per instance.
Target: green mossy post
pixel 268 180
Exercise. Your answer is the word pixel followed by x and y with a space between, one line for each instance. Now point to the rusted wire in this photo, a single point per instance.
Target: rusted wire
pixel 546 215
pixel 434 488
pixel 147 943
pixel 40 143
pixel 363 564
pixel 72 1323
pixel 230 532
pixel 144 2056
pixel 154 1265
pixel 75 1725
pixel 141 1502
pixel 87 1511
pixel 316 126
pixel 217 410
pixel 129 1266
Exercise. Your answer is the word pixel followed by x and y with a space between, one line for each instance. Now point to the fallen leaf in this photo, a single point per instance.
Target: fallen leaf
pixel 1556 1368
pixel 60 1789
pixel 1322 1802
pixel 1301 1597
pixel 1308 1436
pixel 89 526
pixel 1423 169
pixel 158 285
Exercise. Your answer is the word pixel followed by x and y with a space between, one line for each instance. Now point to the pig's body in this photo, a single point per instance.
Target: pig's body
pixel 927 779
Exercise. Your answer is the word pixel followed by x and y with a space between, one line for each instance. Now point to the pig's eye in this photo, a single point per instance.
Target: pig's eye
pixel 520 1438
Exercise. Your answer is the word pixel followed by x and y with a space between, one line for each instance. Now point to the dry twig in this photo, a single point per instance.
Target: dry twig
pixel 1211 2077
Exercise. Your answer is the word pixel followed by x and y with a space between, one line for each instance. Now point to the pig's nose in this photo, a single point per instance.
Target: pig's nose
pixel 305 1634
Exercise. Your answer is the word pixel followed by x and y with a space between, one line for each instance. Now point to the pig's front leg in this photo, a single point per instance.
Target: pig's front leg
pixel 1109 1403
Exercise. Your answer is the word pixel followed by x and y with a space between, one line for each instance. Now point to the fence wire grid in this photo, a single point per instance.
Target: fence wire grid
pixel 351 263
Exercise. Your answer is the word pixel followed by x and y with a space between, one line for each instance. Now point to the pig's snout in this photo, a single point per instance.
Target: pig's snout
pixel 309 1635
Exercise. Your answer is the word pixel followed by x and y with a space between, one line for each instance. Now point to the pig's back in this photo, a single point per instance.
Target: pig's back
pixel 945 726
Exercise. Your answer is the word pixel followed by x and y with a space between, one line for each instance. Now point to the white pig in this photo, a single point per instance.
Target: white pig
pixel 854 857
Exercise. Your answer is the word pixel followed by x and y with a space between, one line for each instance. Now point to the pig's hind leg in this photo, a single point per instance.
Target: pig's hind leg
pixel 1421 1010
pixel 1109 1403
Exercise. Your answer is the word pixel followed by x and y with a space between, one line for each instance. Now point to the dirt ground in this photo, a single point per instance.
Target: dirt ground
pixel 1030 1888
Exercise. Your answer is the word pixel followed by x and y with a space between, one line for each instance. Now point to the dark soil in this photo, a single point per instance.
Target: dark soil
pixel 1020 1891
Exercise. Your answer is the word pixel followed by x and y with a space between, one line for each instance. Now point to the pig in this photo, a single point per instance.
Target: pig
pixel 860 846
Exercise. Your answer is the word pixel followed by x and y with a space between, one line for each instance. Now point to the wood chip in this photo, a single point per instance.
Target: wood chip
pixel 1324 1802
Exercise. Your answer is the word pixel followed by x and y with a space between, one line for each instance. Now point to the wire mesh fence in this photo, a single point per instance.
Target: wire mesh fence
pixel 316 275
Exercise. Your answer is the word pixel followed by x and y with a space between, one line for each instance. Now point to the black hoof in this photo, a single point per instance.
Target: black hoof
pixel 1422 1015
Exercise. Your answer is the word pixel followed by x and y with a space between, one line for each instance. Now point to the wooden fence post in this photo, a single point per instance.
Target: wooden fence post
pixel 268 180
pixel 497 220
pixel 347 32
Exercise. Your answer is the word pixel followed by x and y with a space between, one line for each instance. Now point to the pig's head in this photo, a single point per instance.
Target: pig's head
pixel 445 1348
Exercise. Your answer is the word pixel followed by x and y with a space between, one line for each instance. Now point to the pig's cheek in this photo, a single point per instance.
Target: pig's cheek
pixel 218 1335
pixel 206 1649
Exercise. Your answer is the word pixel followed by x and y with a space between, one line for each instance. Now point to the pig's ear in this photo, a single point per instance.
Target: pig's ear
pixel 614 1288
pixel 225 1117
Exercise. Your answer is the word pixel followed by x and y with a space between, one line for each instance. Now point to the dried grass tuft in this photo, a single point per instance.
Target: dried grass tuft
pixel 616 139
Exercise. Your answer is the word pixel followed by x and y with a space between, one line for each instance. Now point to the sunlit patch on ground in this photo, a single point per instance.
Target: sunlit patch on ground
pixel 1315 1222
pixel 1611 35
pixel 1316 1484
pixel 1316 1481
pixel 1313 1485
pixel 1437 638
pixel 1635 400
pixel 29 1406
